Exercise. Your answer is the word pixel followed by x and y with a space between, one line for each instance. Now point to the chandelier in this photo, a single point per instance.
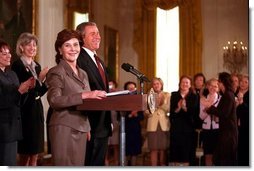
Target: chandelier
pixel 235 57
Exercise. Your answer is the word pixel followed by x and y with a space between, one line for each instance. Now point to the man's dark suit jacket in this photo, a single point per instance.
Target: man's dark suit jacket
pixel 100 121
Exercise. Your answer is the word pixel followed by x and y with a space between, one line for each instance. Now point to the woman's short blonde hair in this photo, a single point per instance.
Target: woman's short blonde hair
pixel 24 39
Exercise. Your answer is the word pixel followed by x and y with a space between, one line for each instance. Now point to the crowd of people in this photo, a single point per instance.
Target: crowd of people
pixel 216 110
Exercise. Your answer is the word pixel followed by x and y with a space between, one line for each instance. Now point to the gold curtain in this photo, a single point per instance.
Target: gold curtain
pixel 190 37
pixel 190 34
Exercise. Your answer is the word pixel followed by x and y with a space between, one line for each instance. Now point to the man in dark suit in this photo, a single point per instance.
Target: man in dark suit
pixel 100 121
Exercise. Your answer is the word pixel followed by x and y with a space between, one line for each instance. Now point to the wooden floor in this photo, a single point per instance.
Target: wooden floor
pixel 142 160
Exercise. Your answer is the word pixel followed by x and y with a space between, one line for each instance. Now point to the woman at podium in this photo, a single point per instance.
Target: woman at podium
pixel 67 87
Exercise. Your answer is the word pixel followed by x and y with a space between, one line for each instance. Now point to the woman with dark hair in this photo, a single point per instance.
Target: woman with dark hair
pixel 199 88
pixel 10 118
pixel 225 153
pixel 67 87
pixel 199 82
pixel 133 130
pixel 235 79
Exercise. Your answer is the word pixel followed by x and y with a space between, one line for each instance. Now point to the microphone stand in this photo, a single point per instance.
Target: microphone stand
pixel 122 139
pixel 141 82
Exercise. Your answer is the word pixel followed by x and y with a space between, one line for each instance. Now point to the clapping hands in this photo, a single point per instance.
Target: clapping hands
pixel 181 105
pixel 43 74
pixel 28 84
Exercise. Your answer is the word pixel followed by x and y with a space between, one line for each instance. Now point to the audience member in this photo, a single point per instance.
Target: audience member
pixel 132 130
pixel 10 118
pixel 32 115
pixel 235 78
pixel 183 108
pixel 225 153
pixel 67 87
pixel 199 84
pixel 158 125
pixel 210 125
pixel 243 117
pixel 199 88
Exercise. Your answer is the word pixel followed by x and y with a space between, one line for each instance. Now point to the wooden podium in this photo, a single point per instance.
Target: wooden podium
pixel 118 103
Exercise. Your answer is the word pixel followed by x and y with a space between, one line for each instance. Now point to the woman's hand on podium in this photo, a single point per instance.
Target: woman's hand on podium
pixel 96 94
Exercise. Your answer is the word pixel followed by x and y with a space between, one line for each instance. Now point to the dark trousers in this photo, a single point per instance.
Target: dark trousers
pixel 8 154
pixel 96 151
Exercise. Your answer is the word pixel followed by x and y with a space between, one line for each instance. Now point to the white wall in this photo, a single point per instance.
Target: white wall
pixel 223 20
pixel 50 22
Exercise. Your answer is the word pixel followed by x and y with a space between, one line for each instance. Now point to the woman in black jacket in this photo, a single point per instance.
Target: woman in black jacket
pixel 10 120
pixel 32 110
pixel 183 109
pixel 225 153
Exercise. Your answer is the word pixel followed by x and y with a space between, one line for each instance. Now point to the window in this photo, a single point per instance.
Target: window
pixel 80 18
pixel 167 48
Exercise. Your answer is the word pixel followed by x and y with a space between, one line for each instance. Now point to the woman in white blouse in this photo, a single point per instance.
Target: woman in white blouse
pixel 210 124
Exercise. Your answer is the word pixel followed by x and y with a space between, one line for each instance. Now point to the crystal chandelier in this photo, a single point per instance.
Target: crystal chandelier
pixel 235 57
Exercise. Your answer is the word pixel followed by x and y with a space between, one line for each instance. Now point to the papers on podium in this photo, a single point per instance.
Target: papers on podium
pixel 118 93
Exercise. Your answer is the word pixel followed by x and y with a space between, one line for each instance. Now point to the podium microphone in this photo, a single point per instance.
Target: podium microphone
pixel 129 68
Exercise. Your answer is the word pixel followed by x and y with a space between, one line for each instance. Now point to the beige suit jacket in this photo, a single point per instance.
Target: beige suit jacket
pixel 159 116
pixel 64 94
